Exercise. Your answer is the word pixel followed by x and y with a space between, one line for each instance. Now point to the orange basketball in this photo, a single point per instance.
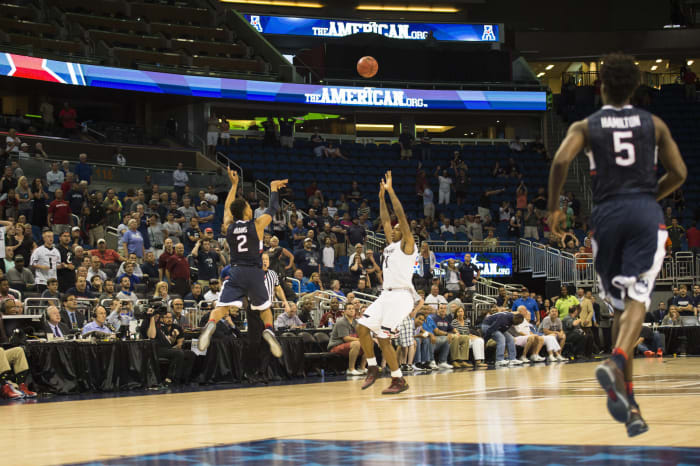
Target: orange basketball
pixel 367 67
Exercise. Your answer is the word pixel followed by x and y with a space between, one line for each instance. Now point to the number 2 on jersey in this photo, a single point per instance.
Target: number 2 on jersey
pixel 242 241
pixel 623 146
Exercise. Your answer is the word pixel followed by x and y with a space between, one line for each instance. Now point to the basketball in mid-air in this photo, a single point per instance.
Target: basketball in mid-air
pixel 367 67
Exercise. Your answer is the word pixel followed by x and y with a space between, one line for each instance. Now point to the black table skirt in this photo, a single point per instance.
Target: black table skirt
pixel 673 339
pixel 229 361
pixel 71 367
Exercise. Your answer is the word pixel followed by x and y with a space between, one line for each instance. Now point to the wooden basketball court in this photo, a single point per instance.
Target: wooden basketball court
pixel 558 404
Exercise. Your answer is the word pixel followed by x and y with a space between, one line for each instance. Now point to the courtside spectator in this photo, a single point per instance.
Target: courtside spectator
pixel 424 344
pixel 13 374
pixel 495 326
pixel 552 325
pixel 441 343
pixel 344 341
pixel 288 319
pixel 476 343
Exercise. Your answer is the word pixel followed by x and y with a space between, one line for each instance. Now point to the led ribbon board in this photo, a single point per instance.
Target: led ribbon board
pixel 316 27
pixel 491 264
pixel 41 69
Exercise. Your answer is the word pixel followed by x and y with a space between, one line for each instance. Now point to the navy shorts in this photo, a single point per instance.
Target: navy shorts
pixel 629 238
pixel 242 282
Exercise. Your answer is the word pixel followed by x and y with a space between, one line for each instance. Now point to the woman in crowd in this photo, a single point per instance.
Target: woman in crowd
pixel 24 197
pixel 161 291
pixel 673 318
pixel 133 240
pixel 25 244
pixel 476 343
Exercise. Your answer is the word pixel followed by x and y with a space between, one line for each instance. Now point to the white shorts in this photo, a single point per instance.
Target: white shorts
pixel 521 340
pixel 212 138
pixel 225 135
pixel 551 342
pixel 385 314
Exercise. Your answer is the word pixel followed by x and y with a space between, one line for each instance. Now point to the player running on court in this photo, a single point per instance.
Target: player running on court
pixel 244 236
pixel 622 144
pixel 396 300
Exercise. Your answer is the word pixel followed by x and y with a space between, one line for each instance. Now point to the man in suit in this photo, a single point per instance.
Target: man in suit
pixel 70 315
pixel 53 323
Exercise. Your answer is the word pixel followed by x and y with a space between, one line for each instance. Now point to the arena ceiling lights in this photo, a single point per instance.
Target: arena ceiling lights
pixel 288 3
pixel 408 8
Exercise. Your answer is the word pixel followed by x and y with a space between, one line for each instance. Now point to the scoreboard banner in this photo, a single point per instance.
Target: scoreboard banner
pixel 20 66
pixel 318 27
pixel 491 264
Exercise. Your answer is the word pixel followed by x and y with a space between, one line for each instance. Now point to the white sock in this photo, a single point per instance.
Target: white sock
pixel 371 361
pixel 396 373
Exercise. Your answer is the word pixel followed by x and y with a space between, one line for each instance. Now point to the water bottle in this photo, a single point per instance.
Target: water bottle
pixel 245 325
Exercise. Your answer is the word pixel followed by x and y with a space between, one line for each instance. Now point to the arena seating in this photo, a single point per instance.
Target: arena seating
pixel 175 38
pixel 367 164
pixel 682 118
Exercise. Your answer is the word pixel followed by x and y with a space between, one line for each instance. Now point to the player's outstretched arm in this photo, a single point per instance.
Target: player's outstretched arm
pixel 265 219
pixel 384 212
pixel 407 241
pixel 572 144
pixel 676 171
pixel 228 216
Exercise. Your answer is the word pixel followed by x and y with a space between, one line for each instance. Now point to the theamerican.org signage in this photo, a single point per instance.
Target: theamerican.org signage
pixel 364 97
pixel 21 66
pixel 319 27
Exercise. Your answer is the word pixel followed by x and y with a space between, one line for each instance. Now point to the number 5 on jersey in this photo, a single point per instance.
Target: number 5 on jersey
pixel 623 146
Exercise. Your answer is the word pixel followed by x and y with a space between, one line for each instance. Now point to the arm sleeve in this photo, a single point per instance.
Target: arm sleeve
pixel 274 206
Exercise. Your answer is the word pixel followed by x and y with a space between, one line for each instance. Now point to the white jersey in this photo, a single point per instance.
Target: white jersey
pixel 398 266
pixel 46 257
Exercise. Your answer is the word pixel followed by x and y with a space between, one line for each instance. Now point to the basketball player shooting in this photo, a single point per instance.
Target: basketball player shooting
pixel 397 297
pixel 629 235
pixel 244 236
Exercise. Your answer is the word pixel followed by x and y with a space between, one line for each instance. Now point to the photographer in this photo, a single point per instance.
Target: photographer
pixel 120 315
pixel 152 328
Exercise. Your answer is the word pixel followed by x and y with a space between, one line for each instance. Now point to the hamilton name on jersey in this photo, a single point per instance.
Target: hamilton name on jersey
pixel 623 122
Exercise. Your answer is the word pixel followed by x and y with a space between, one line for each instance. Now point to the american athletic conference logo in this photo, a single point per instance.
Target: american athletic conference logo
pixel 488 33
pixel 255 22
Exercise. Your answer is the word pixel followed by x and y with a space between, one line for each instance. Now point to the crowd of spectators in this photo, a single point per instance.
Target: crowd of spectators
pixel 169 246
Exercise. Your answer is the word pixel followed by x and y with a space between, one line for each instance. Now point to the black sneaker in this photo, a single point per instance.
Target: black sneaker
pixel 635 424
pixel 406 368
pixel 205 336
pixel 612 380
pixel 275 348
pixel 426 366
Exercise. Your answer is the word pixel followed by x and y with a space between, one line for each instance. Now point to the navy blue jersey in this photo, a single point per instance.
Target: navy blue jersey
pixel 246 247
pixel 622 152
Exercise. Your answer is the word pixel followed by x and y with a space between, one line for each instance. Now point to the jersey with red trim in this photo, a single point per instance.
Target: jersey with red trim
pixel 622 152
